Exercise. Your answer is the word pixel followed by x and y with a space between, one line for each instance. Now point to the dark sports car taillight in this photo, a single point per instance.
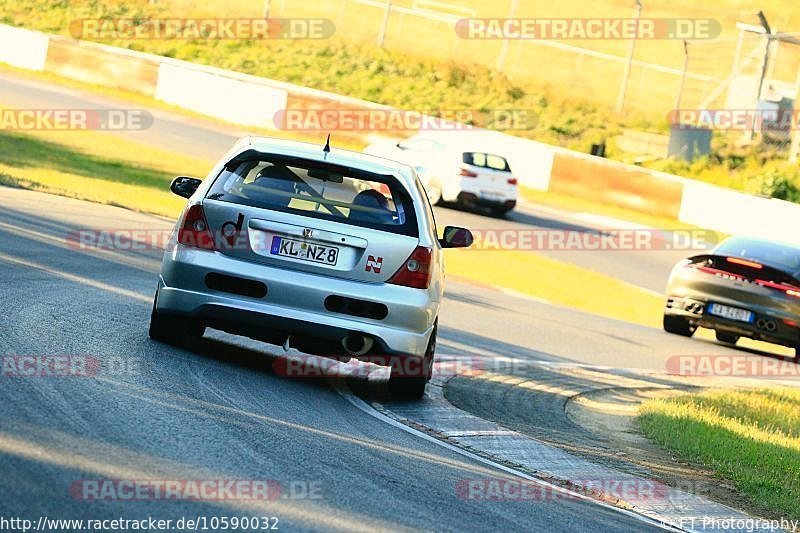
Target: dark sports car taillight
pixel 747 271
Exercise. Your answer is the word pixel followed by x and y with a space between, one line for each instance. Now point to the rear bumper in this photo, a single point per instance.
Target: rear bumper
pixel 294 304
pixel 471 199
pixel 769 324
pixel 486 192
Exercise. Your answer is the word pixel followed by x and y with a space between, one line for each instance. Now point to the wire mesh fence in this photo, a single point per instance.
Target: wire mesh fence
pixel 589 69
pixel 723 73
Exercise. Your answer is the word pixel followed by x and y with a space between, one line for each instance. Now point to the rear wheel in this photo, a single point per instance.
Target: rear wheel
pixel 499 212
pixel 404 385
pixel 678 326
pixel 172 329
pixel 730 338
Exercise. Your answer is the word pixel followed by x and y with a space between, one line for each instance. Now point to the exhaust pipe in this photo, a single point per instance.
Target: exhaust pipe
pixel 769 325
pixel 356 345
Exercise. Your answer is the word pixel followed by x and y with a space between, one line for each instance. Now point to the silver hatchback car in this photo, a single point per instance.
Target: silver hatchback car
pixel 334 253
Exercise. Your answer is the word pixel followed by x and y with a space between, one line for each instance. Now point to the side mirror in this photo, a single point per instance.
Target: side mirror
pixel 455 237
pixel 185 186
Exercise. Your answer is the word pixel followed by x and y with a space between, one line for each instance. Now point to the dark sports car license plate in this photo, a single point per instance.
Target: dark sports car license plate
pixel 731 313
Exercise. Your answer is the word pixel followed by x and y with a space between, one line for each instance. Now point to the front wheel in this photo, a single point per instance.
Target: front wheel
pixel 678 325
pixel 410 385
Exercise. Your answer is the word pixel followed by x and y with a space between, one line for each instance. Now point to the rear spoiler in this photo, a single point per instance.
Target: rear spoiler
pixel 746 267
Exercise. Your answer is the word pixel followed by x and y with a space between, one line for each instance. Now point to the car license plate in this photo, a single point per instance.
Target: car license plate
pixel 491 195
pixel 305 251
pixel 731 313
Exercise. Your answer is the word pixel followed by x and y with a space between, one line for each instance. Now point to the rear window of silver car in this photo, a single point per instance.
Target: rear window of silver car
pixel 318 191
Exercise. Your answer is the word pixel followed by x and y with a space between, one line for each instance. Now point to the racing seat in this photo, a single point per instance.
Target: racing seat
pixel 376 208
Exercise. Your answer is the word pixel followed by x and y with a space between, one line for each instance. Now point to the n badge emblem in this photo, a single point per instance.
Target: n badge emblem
pixel 374 264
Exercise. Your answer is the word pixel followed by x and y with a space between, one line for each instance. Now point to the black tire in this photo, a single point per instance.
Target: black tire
pixel 499 212
pixel 797 354
pixel 730 338
pixel 172 329
pixel 678 325
pixel 404 387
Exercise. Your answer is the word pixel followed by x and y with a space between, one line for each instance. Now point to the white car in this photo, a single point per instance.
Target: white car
pixel 456 168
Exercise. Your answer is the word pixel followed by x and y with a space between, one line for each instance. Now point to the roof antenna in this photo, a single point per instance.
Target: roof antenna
pixel 327 148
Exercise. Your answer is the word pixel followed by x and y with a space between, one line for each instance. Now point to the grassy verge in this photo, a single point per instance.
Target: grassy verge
pixel 542 277
pixel 751 438
pixel 127 174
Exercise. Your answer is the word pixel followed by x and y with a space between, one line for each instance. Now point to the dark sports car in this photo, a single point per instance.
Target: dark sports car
pixel 745 287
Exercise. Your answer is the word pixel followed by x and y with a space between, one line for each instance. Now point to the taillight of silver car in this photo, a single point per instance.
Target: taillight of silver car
pixel 416 271
pixel 194 231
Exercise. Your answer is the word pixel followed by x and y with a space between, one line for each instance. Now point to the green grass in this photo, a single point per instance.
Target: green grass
pixel 751 438
pixel 535 275
pixel 126 173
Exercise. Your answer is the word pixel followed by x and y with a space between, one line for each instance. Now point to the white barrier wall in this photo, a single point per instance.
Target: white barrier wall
pixel 226 97
pixel 23 48
pixel 530 161
pixel 717 208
